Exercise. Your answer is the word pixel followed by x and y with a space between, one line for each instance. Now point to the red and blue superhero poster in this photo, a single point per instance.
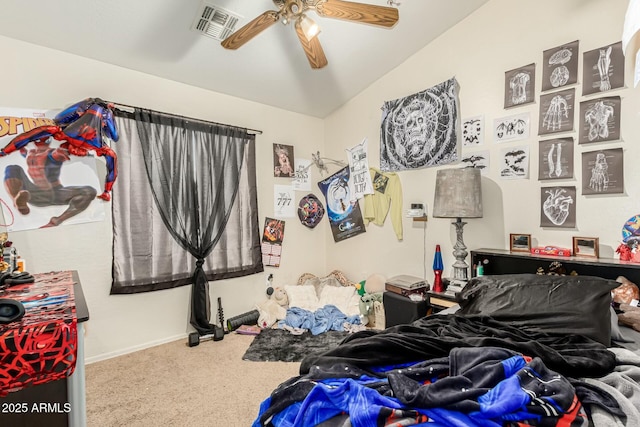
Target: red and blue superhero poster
pixel 43 185
pixel 343 210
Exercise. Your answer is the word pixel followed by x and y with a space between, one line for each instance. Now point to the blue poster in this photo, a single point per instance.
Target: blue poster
pixel 344 213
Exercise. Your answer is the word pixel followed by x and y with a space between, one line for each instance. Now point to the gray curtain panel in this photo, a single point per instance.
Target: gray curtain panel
pixel 184 206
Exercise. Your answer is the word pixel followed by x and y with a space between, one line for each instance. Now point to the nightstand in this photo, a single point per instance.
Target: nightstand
pixel 439 301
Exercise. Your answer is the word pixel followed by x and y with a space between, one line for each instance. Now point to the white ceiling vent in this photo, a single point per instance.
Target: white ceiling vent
pixel 215 22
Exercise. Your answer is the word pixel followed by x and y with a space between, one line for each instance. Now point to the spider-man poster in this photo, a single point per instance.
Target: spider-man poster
pixel 343 210
pixel 43 185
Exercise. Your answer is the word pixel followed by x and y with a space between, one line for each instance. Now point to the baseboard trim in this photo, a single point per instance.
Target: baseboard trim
pixel 122 352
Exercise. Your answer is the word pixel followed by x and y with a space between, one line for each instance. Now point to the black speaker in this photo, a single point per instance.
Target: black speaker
pixel 399 310
pixel 10 310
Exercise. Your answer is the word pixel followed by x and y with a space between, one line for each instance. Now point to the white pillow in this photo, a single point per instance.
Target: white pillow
pixel 302 296
pixel 341 297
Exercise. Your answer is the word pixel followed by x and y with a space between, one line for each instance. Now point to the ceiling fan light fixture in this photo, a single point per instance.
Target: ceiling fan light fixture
pixel 309 27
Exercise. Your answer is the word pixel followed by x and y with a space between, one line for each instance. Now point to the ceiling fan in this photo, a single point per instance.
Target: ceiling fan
pixel 306 29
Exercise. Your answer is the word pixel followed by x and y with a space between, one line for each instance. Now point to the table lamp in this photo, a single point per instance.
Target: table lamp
pixel 458 195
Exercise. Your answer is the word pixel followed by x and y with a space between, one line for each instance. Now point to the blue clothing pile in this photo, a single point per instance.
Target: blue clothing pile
pixel 327 318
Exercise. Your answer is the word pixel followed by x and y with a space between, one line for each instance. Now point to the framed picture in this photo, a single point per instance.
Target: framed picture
pixel 520 242
pixel 586 247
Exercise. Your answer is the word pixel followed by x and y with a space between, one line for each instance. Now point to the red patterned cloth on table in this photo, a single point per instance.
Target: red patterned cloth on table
pixel 43 345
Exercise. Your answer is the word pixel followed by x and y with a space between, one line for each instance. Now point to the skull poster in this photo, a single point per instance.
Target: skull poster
pixel 421 130
pixel 602 172
pixel 519 86
pixel 560 66
pixel 599 120
pixel 342 209
pixel 556 112
pixel 558 207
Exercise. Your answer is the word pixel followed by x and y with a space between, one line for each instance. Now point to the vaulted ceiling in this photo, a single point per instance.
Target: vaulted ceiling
pixel 157 37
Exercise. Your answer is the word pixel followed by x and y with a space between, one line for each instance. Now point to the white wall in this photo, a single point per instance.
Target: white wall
pixel 500 36
pixel 36 77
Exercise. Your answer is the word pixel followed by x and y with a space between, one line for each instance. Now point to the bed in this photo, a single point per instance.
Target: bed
pixel 522 350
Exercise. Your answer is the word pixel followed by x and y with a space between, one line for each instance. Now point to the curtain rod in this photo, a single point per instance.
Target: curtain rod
pixel 255 131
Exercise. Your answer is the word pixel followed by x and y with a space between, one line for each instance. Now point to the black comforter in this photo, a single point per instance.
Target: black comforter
pixel 435 336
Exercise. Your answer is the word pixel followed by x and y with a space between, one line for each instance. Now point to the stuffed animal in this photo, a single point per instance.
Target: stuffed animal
pixel 270 312
pixel 366 305
pixel 279 295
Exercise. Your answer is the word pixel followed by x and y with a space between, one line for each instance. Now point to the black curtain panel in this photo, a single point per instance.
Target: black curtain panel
pixel 186 186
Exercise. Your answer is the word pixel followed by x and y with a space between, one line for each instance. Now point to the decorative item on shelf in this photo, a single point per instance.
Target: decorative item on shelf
pixel 586 247
pixel 629 249
pixel 520 242
pixel 438 266
pixel 458 195
pixel 551 250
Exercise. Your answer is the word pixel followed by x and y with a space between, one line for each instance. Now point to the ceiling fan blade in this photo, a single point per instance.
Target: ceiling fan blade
pixel 250 30
pixel 359 12
pixel 312 48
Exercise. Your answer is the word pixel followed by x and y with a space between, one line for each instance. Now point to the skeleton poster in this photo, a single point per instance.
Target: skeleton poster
pixel 344 213
pixel 473 131
pixel 283 204
pixel 603 172
pixel 302 175
pixel 421 130
pixel 272 237
pixel 560 66
pixel 558 207
pixel 283 163
pixel 519 86
pixel 511 128
pixel 603 69
pixel 477 159
pixel 556 112
pixel 360 178
pixel 599 120
pixel 555 159
pixel 44 185
pixel 515 162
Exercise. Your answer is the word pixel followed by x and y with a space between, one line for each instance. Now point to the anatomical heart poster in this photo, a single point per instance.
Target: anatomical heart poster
pixel 556 112
pixel 560 66
pixel 599 120
pixel 555 159
pixel 603 69
pixel 519 85
pixel 342 209
pixel 603 172
pixel 421 130
pixel 558 207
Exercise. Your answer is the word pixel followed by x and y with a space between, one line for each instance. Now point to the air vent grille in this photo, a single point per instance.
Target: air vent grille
pixel 215 22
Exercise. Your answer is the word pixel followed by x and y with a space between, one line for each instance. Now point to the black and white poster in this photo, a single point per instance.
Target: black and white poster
pixel 511 128
pixel 558 207
pixel 342 209
pixel 599 120
pixel 555 159
pixel 421 130
pixel 473 131
pixel 515 162
pixel 560 66
pixel 360 178
pixel 519 86
pixel 477 159
pixel 556 112
pixel 603 172
pixel 603 69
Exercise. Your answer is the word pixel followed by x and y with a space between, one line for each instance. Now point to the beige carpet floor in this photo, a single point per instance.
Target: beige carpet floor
pixel 175 385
